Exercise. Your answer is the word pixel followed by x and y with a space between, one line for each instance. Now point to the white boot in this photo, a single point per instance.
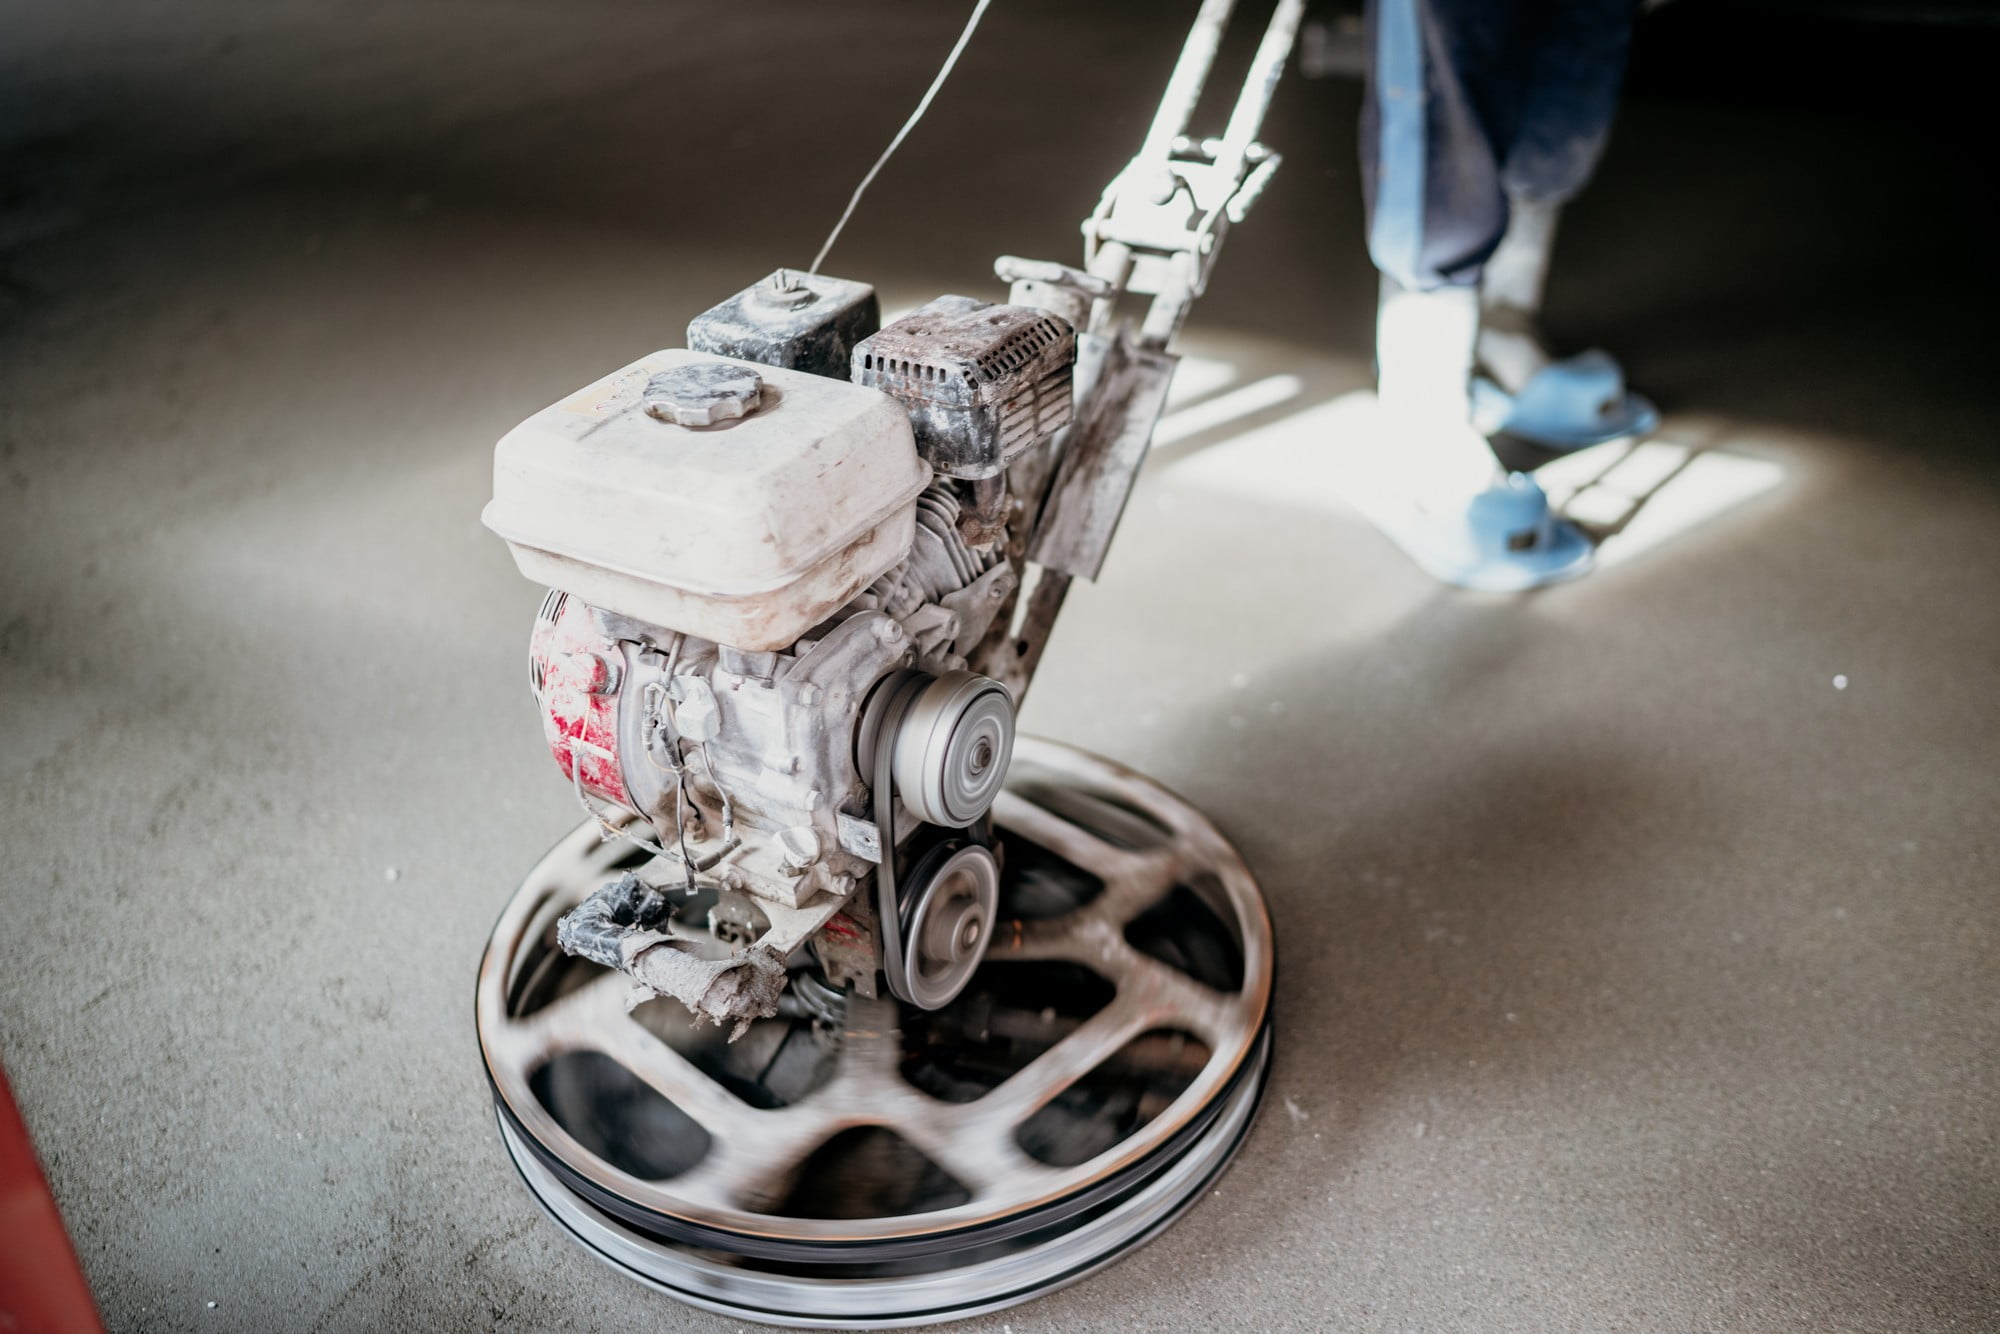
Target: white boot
pixel 1423 350
pixel 1447 503
pixel 1510 295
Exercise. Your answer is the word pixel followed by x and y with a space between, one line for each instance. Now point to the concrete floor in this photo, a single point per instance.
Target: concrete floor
pixel 1635 977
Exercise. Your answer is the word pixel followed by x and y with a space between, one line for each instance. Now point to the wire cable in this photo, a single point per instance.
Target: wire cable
pixel 978 12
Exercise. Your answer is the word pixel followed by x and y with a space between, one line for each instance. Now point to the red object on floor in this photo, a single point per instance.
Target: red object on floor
pixel 42 1289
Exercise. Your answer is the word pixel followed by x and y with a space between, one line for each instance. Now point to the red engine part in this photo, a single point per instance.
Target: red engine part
pixel 577 672
pixel 41 1285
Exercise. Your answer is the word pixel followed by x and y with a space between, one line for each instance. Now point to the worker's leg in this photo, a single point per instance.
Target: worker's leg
pixel 1436 209
pixel 1430 176
pixel 1511 349
pixel 1571 55
pixel 1439 77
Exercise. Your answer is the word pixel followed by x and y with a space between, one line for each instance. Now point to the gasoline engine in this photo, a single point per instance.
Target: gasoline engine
pixel 780 559
pixel 845 1005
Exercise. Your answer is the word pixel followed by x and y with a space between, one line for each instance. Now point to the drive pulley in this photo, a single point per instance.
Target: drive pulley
pixel 942 745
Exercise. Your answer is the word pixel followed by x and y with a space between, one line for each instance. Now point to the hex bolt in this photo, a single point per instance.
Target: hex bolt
pixel 799 845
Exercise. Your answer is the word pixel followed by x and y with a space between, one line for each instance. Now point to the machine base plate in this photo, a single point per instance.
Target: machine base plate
pixel 902 1167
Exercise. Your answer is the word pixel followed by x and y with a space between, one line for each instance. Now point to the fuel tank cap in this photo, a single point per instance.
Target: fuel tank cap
pixel 703 393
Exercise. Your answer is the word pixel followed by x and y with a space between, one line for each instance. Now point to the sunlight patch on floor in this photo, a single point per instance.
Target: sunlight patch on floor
pixel 1328 458
pixel 1648 492
pixel 1246 401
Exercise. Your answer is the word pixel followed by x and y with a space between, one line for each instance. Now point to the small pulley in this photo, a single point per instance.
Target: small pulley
pixel 942 743
pixel 950 899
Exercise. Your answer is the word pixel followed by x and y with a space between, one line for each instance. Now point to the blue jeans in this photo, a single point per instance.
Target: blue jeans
pixel 1471 101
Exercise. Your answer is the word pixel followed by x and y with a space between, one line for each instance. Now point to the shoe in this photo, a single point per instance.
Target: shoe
pixel 1504 540
pixel 1567 405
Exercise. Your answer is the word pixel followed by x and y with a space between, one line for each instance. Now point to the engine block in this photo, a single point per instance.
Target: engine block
pixel 769 593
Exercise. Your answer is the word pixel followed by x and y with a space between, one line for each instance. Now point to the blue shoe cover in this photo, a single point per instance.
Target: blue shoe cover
pixel 1568 404
pixel 1506 540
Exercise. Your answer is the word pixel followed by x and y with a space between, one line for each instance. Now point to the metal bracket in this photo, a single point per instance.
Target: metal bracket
pixel 862 838
pixel 1160 223
pixel 1101 453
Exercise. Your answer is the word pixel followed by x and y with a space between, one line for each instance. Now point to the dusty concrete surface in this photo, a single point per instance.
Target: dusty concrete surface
pixel 1635 977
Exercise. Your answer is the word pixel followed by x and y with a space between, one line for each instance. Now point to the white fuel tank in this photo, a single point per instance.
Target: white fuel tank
pixel 735 502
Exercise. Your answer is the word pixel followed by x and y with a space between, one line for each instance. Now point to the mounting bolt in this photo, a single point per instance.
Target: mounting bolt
pixel 703 393
pixel 799 846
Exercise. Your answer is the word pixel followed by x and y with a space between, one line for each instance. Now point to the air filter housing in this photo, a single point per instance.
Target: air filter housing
pixel 801 321
pixel 982 382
